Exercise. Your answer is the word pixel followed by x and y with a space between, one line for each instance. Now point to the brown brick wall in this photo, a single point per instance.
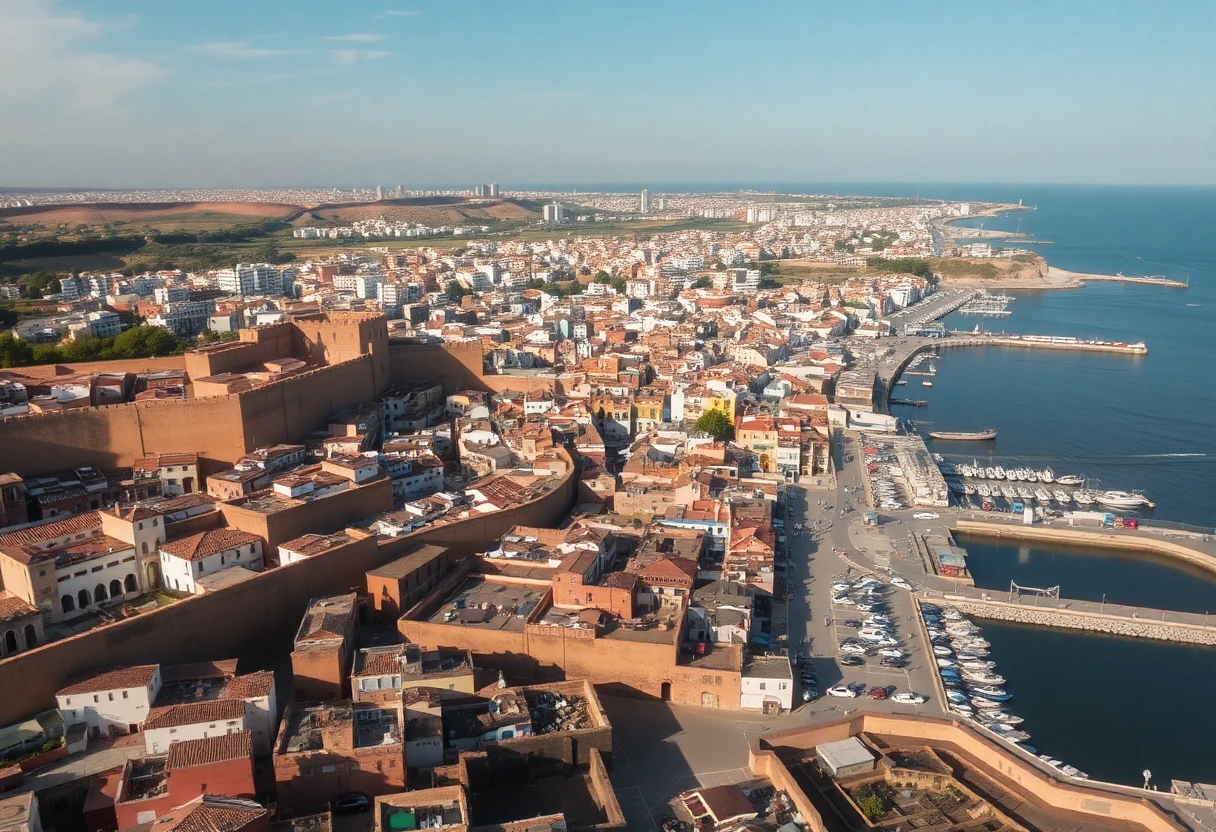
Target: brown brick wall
pixel 125 365
pixel 457 365
pixel 319 673
pixel 323 516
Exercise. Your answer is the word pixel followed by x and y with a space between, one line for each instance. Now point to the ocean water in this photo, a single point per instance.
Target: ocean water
pixel 1128 422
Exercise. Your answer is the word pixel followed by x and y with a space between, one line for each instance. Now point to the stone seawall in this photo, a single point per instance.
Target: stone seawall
pixel 1114 625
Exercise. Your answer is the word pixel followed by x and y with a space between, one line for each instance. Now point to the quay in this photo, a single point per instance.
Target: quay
pixel 962 338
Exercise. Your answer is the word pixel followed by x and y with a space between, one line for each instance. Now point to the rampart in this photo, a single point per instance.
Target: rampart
pixel 254 620
pixel 456 364
pixel 1013 770
pixel 121 365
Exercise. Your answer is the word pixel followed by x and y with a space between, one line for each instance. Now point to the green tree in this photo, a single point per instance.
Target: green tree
pixel 871 806
pixel 46 354
pixel 618 283
pixel 455 291
pixel 39 284
pixel 900 265
pixel 145 342
pixel 702 283
pixel 603 277
pixel 14 352
pixel 769 283
pixel 8 317
pixel 716 424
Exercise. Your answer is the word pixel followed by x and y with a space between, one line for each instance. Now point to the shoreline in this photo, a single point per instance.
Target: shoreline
pixel 1053 277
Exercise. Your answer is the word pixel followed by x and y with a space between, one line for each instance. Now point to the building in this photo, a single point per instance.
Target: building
pixel 188 684
pixel 215 814
pixel 167 725
pixel 178 472
pixel 20 813
pixel 767 685
pixel 326 750
pixel 445 808
pixel 645 203
pixel 380 674
pixel 324 643
pixel 115 702
pixel 184 562
pixel 400 584
pixel 21 626
pixel 151 787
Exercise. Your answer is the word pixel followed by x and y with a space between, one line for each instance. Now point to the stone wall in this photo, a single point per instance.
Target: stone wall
pixel 1114 625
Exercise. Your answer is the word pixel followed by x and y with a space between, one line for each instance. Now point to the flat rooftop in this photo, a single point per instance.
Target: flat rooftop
pixel 489 605
pixel 304 727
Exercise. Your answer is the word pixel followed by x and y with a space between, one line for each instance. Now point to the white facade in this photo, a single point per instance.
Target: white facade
pixel 98 580
pixel 122 709
pixel 157 740
pixel 181 574
pixel 756 692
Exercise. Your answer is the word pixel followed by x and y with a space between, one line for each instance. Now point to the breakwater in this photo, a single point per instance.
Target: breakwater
pixel 1070 618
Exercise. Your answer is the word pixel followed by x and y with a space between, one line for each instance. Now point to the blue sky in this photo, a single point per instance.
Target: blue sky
pixel 260 93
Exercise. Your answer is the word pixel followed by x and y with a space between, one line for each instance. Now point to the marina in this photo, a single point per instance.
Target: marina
pixel 987 305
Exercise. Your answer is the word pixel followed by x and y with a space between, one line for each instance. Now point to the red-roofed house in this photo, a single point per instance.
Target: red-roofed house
pixel 151 787
pixel 185 560
pixel 114 702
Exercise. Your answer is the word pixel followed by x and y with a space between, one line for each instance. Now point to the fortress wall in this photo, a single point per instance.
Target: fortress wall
pixel 457 364
pixel 123 365
pixel 116 435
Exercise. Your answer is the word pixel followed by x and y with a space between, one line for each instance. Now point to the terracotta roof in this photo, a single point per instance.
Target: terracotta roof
pixel 207 543
pixel 671 569
pixel 192 713
pixel 251 685
pixel 152 463
pixel 122 677
pixel 217 749
pixel 12 607
pixel 134 511
pixel 379 662
pixel 210 814
pixel 50 531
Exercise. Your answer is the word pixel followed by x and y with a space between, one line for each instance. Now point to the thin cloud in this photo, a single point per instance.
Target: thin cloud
pixel 239 49
pixel 398 13
pixel 351 56
pixel 357 38
pixel 52 51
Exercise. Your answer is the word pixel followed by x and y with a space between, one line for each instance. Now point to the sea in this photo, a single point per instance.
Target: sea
pixel 1132 423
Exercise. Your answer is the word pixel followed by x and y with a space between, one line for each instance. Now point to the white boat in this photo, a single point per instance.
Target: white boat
pixel 1047 475
pixel 1122 499
pixel 969 489
pixel 983 677
pixel 1025 493
pixel 1042 495
pixel 926 384
pixel 998 473
pixel 945 662
pixel 1083 497
pixel 983 704
pixel 975 664
pixel 1031 476
pixel 1062 496
pixel 944 652
pixel 984 490
pixel 1070 479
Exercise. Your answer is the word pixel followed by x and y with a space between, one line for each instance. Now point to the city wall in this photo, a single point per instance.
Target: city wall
pixel 288 410
pixel 1010 769
pixel 456 364
pixel 323 516
pixel 122 365
pixel 115 436
pixel 254 620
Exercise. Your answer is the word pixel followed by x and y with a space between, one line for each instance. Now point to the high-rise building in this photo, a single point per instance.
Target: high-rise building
pixel 379 193
pixel 493 189
pixel 645 202
pixel 555 213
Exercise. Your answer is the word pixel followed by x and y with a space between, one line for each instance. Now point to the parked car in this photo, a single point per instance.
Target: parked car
pixel 852 661
pixel 842 691
pixel 351 803
pixel 908 698
pixel 877 692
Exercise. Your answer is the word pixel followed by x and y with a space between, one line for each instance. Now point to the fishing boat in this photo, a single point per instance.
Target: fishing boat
pixel 963 436
pixel 926 384
pixel 1062 496
pixel 1047 475
pixel 1042 495
pixel 991 693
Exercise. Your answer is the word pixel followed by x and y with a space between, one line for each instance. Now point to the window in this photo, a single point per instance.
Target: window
pixel 172 730
pixel 155 522
pixel 141 527
pixel 67 701
pixel 96 698
pixel 124 695
pixel 111 696
pixel 41 573
pixel 762 686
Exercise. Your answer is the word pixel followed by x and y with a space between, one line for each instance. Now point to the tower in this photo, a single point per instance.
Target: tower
pixel 645 202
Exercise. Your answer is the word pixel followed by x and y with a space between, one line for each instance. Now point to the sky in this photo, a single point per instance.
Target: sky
pixel 287 93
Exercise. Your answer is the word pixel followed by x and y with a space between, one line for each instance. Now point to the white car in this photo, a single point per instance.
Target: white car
pixel 893 652
pixel 908 698
pixel 901 583
pixel 925 515
pixel 840 588
pixel 855 649
pixel 843 600
pixel 843 691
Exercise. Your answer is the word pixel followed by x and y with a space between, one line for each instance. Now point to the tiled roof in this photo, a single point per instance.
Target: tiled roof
pixel 118 678
pixel 50 531
pixel 250 685
pixel 198 670
pixel 210 814
pixel 192 713
pixel 207 543
pixel 217 749
pixel 12 607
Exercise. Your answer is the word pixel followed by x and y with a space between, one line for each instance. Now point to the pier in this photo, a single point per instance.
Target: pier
pixel 1148 280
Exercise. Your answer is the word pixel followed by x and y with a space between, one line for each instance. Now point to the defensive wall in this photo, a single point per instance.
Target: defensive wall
pixel 254 620
pixel 122 365
pixel 1011 769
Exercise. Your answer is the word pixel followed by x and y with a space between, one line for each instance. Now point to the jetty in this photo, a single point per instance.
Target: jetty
pixel 1150 280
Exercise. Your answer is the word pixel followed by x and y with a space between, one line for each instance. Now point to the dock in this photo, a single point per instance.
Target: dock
pixel 910 402
pixel 961 338
pixel 1148 280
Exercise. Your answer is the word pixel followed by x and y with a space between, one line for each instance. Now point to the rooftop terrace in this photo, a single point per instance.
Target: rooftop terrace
pixel 488 604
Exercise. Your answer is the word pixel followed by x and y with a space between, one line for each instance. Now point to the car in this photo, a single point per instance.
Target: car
pixel 853 648
pixel 908 698
pixel 877 692
pixel 842 691
pixel 925 515
pixel 852 624
pixel 901 583
pixel 891 652
pixel 852 661
pixel 351 803
pixel 843 600
pixel 864 606
pixel 898 664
